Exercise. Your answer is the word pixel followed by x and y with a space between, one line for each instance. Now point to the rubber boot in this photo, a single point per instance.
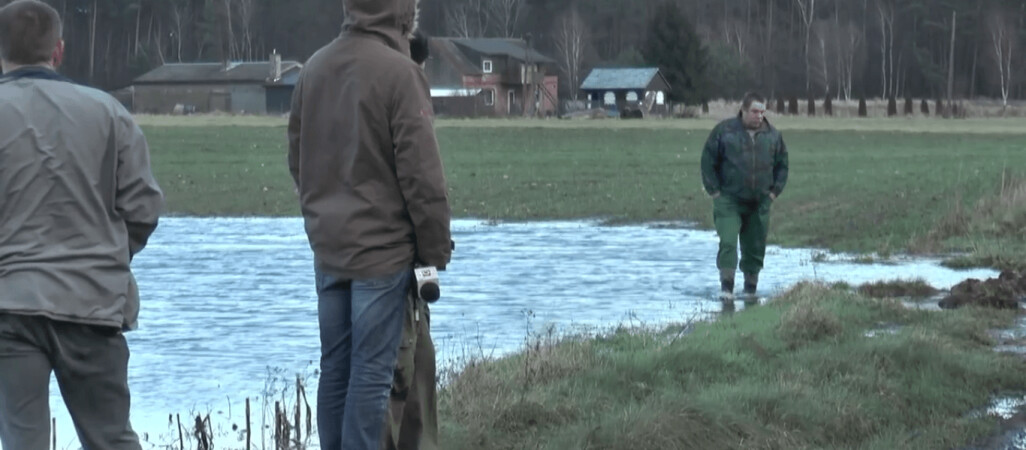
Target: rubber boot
pixel 751 284
pixel 726 285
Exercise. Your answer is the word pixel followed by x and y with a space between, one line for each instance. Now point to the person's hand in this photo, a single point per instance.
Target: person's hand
pixel 773 196
pixel 715 195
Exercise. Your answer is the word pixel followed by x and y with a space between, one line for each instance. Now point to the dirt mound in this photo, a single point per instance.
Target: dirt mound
pixel 1005 291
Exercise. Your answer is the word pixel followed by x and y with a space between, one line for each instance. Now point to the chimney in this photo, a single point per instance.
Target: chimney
pixel 275 66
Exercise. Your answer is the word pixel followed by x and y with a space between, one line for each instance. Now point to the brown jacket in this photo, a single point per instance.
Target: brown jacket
pixel 363 152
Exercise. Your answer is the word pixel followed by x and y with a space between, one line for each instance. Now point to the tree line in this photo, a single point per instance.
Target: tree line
pixel 709 49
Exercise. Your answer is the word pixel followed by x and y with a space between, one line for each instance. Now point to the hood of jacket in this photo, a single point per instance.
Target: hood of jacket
pixel 394 21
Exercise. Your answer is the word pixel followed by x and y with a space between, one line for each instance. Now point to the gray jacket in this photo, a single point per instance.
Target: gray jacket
pixel 77 201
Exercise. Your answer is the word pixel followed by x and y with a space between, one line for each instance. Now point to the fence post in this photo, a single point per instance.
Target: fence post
pixel 249 431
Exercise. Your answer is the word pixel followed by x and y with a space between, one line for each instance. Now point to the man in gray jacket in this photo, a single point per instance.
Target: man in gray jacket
pixel 77 201
pixel 363 154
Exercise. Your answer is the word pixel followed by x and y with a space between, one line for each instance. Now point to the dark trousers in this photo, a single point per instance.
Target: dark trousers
pixel 91 365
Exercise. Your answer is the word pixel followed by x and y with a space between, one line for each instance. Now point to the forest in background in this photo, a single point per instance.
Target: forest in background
pixel 708 49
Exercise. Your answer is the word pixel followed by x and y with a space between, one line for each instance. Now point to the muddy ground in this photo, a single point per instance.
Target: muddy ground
pixel 1007 291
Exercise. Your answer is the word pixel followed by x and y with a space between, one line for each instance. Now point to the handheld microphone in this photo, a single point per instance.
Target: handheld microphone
pixel 427 283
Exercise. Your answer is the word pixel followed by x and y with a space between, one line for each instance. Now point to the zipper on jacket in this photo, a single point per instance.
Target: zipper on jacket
pixel 752 172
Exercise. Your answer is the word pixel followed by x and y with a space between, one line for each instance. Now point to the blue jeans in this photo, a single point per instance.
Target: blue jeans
pixel 361 322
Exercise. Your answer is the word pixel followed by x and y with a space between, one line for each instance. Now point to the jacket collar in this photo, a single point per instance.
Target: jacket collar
pixel 33 72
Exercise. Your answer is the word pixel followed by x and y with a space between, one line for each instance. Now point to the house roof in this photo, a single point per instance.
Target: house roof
pixel 454 63
pixel 236 72
pixel 453 58
pixel 622 78
pixel 512 48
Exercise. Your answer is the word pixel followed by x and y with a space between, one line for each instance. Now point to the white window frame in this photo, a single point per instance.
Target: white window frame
pixel 487 66
pixel 489 99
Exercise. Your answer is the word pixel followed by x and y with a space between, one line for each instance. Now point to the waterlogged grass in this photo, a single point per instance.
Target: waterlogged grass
pixel 926 191
pixel 898 288
pixel 817 368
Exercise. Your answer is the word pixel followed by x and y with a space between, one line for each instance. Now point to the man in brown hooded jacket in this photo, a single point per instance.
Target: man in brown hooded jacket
pixel 364 156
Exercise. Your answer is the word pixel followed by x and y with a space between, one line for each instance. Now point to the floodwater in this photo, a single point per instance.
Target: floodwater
pixel 229 307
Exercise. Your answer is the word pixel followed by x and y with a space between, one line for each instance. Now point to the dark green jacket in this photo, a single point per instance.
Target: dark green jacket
pixel 734 164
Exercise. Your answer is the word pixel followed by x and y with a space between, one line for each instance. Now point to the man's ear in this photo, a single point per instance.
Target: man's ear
pixel 58 54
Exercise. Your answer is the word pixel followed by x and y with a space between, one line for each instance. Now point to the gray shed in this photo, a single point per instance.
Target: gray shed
pixel 260 87
pixel 624 89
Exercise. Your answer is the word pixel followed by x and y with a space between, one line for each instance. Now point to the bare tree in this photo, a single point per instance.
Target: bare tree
pixel 886 13
pixel 849 44
pixel 178 13
pixel 467 18
pixel 229 47
pixel 1003 37
pixel 138 25
pixel 92 42
pixel 824 70
pixel 457 20
pixel 570 46
pixel 951 58
pixel 735 33
pixel 807 8
pixel 506 14
pixel 245 20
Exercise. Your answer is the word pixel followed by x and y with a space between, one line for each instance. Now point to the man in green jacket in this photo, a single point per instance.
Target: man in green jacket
pixel 744 169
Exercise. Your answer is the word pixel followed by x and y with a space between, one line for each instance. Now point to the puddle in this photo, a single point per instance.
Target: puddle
pixel 229 310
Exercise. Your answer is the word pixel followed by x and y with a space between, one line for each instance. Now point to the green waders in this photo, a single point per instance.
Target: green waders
pixel 747 220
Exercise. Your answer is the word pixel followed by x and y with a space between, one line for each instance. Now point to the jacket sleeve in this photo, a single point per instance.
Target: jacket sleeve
pixel 780 167
pixel 138 199
pixel 419 169
pixel 294 128
pixel 711 159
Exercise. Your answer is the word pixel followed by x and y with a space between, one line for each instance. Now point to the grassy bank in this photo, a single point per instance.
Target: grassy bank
pixel 817 368
pixel 931 189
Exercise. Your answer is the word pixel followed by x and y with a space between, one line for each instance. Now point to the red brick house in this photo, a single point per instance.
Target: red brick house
pixel 472 77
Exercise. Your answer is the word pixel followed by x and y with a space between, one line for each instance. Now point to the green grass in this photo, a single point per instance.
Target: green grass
pixel 917 124
pixel 798 373
pixel 223 171
pixel 861 191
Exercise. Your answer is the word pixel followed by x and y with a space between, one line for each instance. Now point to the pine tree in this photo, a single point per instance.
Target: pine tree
pixel 673 45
